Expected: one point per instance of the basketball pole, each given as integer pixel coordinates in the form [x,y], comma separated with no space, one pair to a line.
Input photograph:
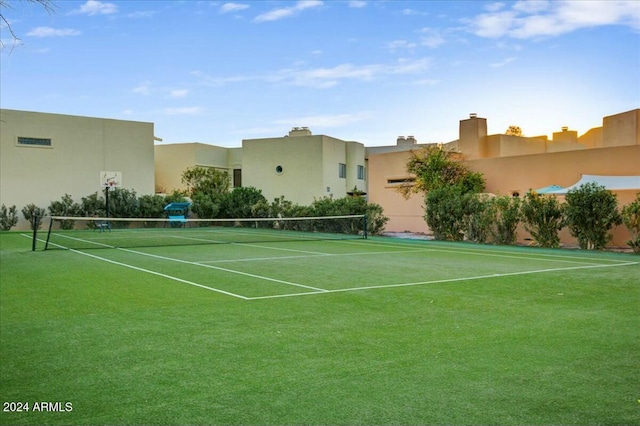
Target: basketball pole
[106,197]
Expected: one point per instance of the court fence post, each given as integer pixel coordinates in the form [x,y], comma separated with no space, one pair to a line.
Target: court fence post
[35,232]
[364,226]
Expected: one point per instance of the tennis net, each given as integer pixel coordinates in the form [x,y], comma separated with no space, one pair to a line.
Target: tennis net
[92,233]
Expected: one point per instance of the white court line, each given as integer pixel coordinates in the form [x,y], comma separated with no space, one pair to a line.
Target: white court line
[448,280]
[321,291]
[147,271]
[261,277]
[189,263]
[513,255]
[302,256]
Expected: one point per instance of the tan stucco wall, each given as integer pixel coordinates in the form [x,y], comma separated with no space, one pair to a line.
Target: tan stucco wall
[621,129]
[309,163]
[173,159]
[504,176]
[523,173]
[81,148]
[301,162]
[404,214]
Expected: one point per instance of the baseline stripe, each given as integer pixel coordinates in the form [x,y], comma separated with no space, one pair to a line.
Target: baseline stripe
[224,270]
[147,271]
[448,280]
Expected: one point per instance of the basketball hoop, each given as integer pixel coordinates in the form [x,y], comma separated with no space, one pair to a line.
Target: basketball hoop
[110,180]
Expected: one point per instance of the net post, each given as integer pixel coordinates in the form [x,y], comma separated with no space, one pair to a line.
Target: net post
[364,226]
[35,233]
[46,244]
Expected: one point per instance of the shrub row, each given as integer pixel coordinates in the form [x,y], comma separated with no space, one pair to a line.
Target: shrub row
[589,212]
[243,202]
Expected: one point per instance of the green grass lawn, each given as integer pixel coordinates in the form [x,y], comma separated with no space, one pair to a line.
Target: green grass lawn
[377,331]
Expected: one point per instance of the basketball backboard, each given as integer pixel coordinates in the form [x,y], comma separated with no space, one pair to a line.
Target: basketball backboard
[110,179]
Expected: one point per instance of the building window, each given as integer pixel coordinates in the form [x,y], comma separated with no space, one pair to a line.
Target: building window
[279,170]
[397,181]
[237,178]
[361,172]
[342,170]
[24,141]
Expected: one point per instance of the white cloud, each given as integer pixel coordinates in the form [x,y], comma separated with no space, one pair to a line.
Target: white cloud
[338,120]
[412,12]
[494,7]
[493,25]
[427,82]
[95,7]
[52,32]
[431,38]
[141,14]
[178,93]
[323,78]
[142,89]
[502,63]
[357,3]
[213,81]
[400,44]
[536,18]
[286,12]
[531,6]
[233,7]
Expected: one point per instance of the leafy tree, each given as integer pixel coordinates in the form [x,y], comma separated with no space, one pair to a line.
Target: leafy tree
[434,167]
[151,206]
[507,217]
[240,201]
[8,217]
[207,188]
[631,219]
[444,213]
[445,181]
[175,197]
[93,205]
[479,214]
[543,217]
[123,203]
[592,211]
[514,131]
[34,215]
[327,206]
[65,207]
[206,180]
[205,206]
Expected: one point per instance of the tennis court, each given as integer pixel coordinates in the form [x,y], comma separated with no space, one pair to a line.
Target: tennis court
[131,328]
[261,263]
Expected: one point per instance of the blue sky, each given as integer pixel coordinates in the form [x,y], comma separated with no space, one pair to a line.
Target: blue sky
[218,72]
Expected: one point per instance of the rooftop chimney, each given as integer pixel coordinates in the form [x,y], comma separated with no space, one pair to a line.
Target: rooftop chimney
[300,131]
[473,115]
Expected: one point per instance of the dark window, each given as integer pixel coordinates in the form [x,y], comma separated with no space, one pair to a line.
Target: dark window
[33,141]
[237,178]
[361,172]
[342,170]
[400,180]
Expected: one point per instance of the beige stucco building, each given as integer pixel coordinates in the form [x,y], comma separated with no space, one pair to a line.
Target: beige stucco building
[173,159]
[514,165]
[300,166]
[45,156]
